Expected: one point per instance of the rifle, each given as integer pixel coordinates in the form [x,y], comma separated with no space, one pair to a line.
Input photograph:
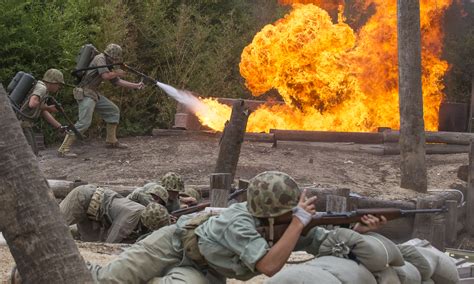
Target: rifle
[70,125]
[329,218]
[184,211]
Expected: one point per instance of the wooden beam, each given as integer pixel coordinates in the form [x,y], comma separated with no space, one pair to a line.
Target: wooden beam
[451,221]
[458,138]
[327,136]
[394,149]
[412,127]
[220,185]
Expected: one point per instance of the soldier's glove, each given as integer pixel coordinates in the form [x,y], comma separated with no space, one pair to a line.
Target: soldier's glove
[303,215]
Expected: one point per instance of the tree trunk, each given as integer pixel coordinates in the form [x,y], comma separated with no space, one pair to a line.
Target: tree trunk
[412,129]
[30,221]
[232,139]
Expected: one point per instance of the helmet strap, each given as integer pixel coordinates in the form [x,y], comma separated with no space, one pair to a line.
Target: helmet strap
[271,222]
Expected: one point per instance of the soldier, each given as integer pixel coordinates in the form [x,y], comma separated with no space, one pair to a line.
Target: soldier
[89,99]
[104,215]
[150,192]
[204,249]
[36,105]
[174,184]
[189,197]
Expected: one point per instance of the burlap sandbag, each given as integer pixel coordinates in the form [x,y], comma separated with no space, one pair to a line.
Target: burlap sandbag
[445,271]
[374,251]
[303,274]
[429,281]
[412,255]
[387,276]
[346,270]
[408,274]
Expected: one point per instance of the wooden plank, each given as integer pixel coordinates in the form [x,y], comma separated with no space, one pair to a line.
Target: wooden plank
[438,235]
[220,185]
[470,194]
[451,221]
[336,203]
[327,136]
[458,138]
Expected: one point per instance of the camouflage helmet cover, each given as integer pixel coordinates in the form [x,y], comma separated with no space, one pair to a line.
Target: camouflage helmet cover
[53,76]
[272,194]
[155,216]
[191,192]
[143,195]
[157,190]
[114,51]
[173,182]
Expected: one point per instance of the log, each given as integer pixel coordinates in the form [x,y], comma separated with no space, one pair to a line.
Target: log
[412,127]
[322,194]
[327,136]
[231,140]
[451,221]
[424,223]
[470,193]
[220,184]
[457,138]
[438,233]
[364,202]
[394,149]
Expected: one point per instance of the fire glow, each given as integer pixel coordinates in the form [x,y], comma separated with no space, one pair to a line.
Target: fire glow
[332,77]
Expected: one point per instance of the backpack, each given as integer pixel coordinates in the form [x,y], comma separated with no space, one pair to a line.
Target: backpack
[83,59]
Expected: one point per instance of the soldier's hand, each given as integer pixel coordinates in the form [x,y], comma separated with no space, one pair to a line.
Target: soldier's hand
[369,223]
[52,108]
[139,86]
[63,129]
[305,209]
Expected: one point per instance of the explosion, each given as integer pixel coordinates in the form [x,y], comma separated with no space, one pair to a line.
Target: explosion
[332,77]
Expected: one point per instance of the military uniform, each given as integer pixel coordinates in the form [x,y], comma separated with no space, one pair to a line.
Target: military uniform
[115,217]
[32,114]
[229,244]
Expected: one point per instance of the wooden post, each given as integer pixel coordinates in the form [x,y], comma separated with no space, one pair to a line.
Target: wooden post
[232,139]
[451,221]
[422,227]
[471,109]
[220,188]
[412,135]
[438,232]
[470,193]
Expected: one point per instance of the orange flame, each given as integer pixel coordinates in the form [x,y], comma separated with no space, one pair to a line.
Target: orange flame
[333,78]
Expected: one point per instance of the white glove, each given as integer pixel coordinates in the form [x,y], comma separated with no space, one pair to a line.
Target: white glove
[303,215]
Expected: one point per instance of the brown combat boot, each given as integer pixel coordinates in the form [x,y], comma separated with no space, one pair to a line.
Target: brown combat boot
[64,149]
[111,139]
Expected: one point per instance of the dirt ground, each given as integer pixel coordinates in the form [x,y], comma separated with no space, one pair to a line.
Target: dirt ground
[194,157]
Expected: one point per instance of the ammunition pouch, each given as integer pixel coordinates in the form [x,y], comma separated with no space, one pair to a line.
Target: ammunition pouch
[78,94]
[190,240]
[93,211]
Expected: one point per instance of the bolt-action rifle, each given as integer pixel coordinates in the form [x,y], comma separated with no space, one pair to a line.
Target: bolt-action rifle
[342,218]
[70,124]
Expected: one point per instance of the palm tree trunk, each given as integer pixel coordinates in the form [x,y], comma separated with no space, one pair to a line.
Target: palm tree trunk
[36,234]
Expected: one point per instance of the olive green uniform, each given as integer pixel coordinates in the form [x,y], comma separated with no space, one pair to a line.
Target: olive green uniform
[117,220]
[32,114]
[89,99]
[229,243]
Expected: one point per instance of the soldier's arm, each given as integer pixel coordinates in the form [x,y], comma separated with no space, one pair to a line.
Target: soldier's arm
[50,119]
[34,101]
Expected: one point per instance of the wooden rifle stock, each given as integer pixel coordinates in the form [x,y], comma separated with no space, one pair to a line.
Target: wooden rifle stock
[180,212]
[329,218]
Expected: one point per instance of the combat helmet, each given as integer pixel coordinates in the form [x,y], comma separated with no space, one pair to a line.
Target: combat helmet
[114,51]
[53,76]
[144,195]
[271,194]
[157,190]
[173,182]
[191,192]
[155,216]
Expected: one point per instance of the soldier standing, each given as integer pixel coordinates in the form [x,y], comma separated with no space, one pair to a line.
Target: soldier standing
[89,99]
[35,105]
[204,249]
[104,215]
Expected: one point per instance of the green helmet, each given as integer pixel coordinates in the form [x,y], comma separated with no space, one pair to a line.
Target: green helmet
[191,192]
[114,51]
[155,216]
[172,182]
[53,76]
[272,194]
[144,195]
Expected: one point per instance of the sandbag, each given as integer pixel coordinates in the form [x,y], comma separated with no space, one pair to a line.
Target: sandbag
[374,251]
[429,281]
[445,271]
[346,270]
[387,276]
[303,274]
[413,256]
[408,274]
